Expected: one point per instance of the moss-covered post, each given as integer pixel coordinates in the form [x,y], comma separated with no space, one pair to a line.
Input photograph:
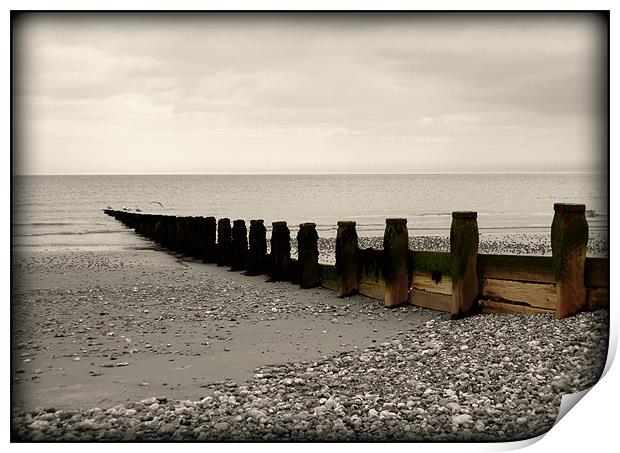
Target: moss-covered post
[464,259]
[280,251]
[257,247]
[308,256]
[209,232]
[347,282]
[569,242]
[395,251]
[224,241]
[239,245]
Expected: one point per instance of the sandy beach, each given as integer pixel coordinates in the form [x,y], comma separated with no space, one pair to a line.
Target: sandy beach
[143,344]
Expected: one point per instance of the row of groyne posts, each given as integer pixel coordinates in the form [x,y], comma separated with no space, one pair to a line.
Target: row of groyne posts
[455,281]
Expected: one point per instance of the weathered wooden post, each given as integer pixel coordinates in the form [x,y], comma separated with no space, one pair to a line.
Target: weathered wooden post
[347,282]
[210,248]
[170,231]
[395,251]
[258,247]
[280,251]
[569,242]
[224,240]
[157,228]
[308,256]
[174,234]
[239,253]
[464,258]
[186,236]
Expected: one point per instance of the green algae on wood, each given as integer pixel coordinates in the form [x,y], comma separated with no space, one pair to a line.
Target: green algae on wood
[347,252]
[309,273]
[395,269]
[569,241]
[463,270]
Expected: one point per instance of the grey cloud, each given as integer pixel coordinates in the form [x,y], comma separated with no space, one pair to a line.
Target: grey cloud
[442,91]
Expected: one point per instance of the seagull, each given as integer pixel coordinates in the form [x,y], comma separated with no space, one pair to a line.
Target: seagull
[157,202]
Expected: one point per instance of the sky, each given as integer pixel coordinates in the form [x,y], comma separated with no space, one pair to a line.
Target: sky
[290,93]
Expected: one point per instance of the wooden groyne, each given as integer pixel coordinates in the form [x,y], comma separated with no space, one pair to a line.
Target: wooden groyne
[459,282]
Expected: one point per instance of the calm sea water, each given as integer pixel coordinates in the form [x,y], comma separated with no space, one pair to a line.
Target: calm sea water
[65,212]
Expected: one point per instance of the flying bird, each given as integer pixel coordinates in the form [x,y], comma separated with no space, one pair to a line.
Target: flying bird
[157,202]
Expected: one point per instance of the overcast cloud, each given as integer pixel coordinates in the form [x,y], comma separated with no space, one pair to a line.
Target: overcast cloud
[302,94]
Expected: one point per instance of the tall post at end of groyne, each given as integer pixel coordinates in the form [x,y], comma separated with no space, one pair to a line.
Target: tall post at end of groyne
[280,251]
[308,256]
[257,247]
[395,272]
[347,280]
[239,245]
[224,242]
[464,240]
[569,243]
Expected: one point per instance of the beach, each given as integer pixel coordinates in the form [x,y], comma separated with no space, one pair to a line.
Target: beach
[142,344]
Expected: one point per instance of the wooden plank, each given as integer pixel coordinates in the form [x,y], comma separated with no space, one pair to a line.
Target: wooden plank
[329,284]
[433,301]
[597,298]
[371,290]
[372,280]
[597,272]
[424,281]
[423,261]
[328,271]
[534,294]
[491,306]
[537,269]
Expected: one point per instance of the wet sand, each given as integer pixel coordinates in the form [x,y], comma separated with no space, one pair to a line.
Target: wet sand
[100,328]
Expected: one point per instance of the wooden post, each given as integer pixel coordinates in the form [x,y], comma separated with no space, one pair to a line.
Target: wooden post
[395,273]
[196,237]
[464,258]
[210,248]
[239,245]
[157,228]
[280,251]
[347,282]
[258,247]
[170,231]
[224,241]
[569,242]
[308,256]
[184,234]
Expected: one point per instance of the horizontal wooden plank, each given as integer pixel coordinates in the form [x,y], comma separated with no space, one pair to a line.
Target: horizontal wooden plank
[422,261]
[597,272]
[328,271]
[539,295]
[597,298]
[373,291]
[491,306]
[433,301]
[425,282]
[537,269]
[329,284]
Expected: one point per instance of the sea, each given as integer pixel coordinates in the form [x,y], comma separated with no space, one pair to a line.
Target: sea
[66,212]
